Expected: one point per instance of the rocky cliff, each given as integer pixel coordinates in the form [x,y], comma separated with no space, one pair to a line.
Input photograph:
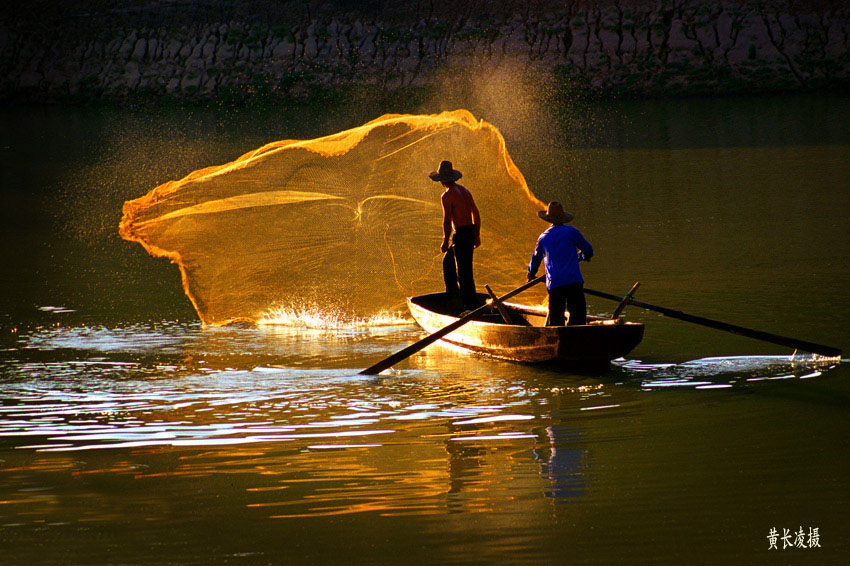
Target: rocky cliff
[635,47]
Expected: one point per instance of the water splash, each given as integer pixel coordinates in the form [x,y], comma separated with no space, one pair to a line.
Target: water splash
[724,372]
[318,317]
[800,357]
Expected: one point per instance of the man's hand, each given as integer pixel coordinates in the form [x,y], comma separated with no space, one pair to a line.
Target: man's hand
[445,245]
[477,242]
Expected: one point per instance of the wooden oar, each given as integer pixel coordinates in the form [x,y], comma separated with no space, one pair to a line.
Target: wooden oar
[431,338]
[625,301]
[820,349]
[499,305]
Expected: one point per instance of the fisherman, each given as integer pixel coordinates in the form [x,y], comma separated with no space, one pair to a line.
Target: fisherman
[561,247]
[460,214]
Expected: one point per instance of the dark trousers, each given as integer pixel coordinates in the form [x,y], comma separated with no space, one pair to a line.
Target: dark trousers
[457,267]
[567,297]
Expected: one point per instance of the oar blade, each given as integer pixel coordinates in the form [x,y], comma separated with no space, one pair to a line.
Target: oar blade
[794,343]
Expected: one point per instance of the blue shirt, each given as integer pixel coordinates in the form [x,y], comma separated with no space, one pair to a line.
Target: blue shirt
[559,246]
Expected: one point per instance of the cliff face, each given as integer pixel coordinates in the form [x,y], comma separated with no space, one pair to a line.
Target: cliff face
[643,48]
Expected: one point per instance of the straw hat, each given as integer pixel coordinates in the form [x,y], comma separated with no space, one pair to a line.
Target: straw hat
[446,173]
[555,214]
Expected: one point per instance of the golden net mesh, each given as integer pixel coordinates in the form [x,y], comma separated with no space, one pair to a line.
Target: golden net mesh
[349,222]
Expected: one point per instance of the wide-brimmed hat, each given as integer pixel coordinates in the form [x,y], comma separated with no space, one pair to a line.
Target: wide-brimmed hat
[555,214]
[446,173]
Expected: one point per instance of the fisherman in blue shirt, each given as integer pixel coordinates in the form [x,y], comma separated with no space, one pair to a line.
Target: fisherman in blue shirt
[560,248]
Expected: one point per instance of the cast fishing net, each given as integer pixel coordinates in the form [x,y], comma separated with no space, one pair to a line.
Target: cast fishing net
[348,222]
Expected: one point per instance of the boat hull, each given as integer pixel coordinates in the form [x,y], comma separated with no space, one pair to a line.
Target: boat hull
[527,340]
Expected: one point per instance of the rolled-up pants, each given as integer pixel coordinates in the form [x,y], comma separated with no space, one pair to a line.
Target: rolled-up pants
[567,297]
[457,266]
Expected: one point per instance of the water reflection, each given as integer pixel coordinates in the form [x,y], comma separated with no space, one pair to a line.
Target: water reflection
[563,460]
[725,372]
[284,408]
[75,388]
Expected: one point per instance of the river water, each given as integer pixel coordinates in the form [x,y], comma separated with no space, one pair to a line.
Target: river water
[131,434]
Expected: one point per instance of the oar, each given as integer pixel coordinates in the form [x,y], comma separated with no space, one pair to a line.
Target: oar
[431,338]
[494,300]
[625,301]
[828,351]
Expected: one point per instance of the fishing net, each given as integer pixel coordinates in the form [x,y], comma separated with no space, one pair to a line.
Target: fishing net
[348,222]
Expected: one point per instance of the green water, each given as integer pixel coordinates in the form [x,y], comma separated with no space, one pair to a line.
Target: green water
[130,434]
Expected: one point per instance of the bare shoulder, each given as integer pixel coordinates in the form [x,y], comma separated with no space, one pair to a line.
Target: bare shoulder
[464,191]
[455,193]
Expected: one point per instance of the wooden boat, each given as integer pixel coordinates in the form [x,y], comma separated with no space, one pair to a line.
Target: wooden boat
[526,338]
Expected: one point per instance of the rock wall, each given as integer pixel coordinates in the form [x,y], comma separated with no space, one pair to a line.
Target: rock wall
[643,48]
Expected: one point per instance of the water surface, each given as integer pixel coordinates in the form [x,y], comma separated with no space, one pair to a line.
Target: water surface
[131,434]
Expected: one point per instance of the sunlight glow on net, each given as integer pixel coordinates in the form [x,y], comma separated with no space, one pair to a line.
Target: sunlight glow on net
[350,222]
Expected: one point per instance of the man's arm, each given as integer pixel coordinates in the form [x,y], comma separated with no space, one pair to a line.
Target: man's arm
[476,221]
[536,258]
[584,246]
[447,223]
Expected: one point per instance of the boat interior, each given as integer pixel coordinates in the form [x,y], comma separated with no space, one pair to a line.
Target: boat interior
[510,313]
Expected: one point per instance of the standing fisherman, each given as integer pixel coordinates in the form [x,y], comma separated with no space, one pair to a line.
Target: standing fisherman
[460,213]
[562,247]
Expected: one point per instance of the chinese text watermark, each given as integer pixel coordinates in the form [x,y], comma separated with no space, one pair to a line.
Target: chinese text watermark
[789,539]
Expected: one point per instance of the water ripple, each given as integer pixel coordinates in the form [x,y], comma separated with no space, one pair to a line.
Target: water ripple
[182,385]
[724,372]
